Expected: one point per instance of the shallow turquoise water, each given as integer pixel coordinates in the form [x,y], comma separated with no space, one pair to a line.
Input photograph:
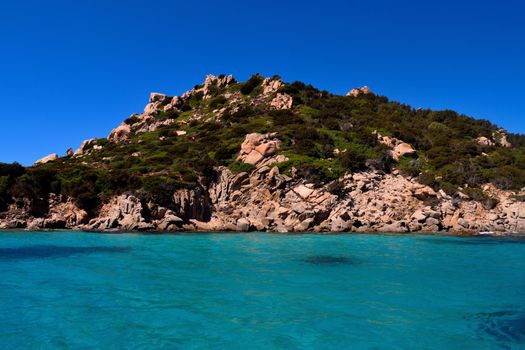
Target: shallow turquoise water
[260,291]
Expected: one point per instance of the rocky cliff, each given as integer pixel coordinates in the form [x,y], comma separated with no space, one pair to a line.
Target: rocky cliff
[265,181]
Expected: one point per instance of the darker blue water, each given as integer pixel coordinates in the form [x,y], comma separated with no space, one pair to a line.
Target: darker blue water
[260,291]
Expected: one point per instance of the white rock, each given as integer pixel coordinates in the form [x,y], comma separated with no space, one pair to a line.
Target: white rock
[47,159]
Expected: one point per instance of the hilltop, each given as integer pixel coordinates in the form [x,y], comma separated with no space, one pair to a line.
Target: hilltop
[269,155]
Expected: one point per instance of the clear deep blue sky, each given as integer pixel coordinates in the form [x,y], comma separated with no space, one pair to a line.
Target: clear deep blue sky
[73,70]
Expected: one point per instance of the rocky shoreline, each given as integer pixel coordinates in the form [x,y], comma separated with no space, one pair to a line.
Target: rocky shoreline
[469,234]
[266,200]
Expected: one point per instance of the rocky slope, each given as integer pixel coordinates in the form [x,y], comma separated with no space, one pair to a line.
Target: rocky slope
[264,184]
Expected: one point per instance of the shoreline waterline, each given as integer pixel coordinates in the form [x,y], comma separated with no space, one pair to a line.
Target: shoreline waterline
[517,235]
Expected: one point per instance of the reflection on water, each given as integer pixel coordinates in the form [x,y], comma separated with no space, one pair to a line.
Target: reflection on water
[330,260]
[504,326]
[53,251]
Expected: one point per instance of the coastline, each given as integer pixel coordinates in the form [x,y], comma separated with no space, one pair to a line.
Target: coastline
[240,202]
[462,234]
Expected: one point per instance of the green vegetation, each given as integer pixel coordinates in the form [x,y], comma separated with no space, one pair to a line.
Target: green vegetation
[324,136]
[252,83]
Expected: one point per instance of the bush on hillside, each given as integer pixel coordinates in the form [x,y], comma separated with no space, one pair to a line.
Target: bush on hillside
[251,84]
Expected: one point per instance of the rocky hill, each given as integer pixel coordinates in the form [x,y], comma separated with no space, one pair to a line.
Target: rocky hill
[272,156]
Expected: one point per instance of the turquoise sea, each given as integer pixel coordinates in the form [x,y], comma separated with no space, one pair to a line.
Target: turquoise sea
[64,290]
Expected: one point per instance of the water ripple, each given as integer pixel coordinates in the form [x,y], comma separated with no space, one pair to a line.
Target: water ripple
[54,251]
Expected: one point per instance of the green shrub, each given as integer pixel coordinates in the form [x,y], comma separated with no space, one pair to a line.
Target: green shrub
[428,179]
[251,84]
[159,190]
[217,101]
[169,114]
[238,167]
[132,120]
[409,166]
[480,196]
[285,117]
[337,188]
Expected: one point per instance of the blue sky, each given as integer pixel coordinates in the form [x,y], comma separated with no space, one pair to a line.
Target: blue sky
[73,70]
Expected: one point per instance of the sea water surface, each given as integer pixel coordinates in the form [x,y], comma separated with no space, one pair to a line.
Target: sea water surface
[260,291]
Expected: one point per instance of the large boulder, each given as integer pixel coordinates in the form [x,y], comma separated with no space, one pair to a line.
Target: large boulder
[253,157]
[86,147]
[175,103]
[270,86]
[403,150]
[211,81]
[251,141]
[47,159]
[123,213]
[484,141]
[256,147]
[282,101]
[120,134]
[170,222]
[501,138]
[208,88]
[64,210]
[397,147]
[358,91]
[267,149]
[154,103]
[243,225]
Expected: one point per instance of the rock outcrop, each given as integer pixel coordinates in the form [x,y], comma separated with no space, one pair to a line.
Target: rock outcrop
[86,147]
[256,147]
[397,147]
[358,91]
[122,212]
[47,159]
[121,133]
[485,141]
[211,84]
[218,82]
[154,105]
[282,101]
[501,138]
[271,86]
